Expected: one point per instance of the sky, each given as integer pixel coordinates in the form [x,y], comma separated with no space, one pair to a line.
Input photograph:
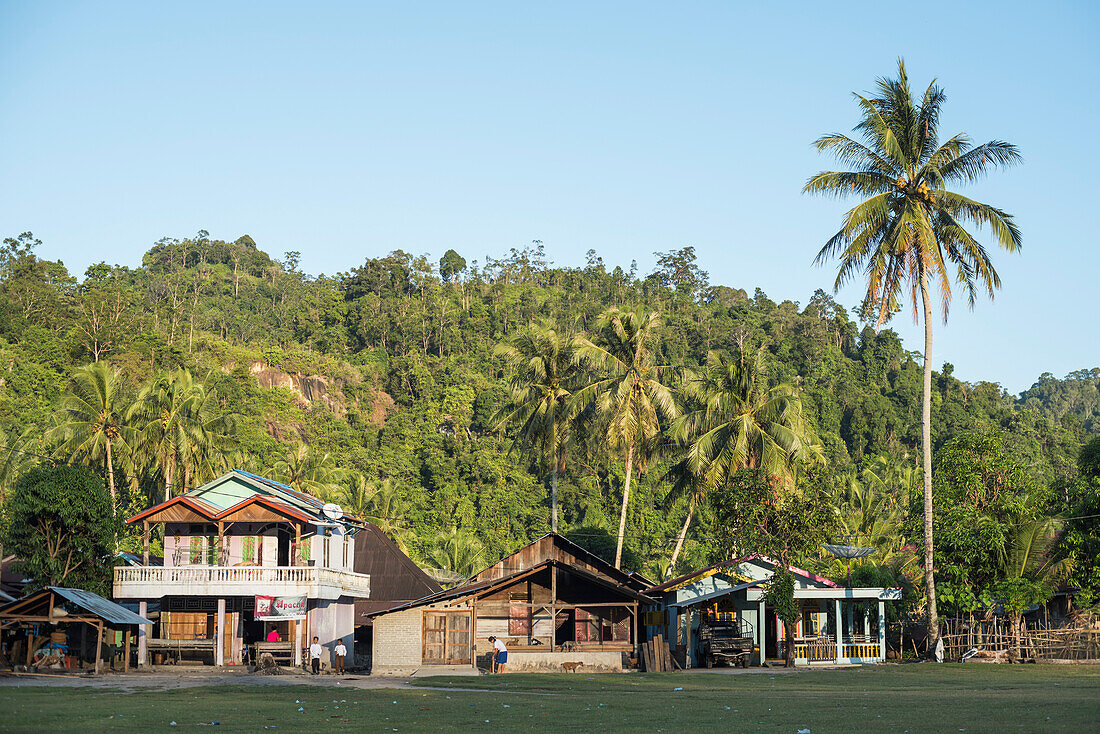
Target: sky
[349,130]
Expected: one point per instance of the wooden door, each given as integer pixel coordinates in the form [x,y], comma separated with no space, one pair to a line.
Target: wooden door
[434,638]
[458,639]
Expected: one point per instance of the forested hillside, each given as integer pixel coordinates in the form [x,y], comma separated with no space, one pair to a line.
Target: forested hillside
[379,385]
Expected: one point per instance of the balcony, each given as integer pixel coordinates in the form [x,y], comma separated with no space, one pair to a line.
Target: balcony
[151,582]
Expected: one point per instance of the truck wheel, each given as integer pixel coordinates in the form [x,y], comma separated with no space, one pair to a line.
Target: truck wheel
[708,660]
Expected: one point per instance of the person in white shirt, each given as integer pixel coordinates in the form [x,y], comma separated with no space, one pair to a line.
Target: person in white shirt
[500,654]
[339,651]
[315,653]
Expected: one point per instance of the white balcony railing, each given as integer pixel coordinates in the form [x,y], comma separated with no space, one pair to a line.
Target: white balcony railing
[155,581]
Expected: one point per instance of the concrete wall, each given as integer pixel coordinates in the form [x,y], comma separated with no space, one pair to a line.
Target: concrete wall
[592,661]
[397,638]
[331,621]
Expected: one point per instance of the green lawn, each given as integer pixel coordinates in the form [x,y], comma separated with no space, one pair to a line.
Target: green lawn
[912,698]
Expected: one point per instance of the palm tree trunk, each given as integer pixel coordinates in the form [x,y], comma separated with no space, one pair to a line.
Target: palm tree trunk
[926,448]
[554,498]
[626,501]
[111,477]
[680,538]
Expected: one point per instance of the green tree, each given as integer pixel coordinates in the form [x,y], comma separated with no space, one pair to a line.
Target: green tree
[181,431]
[543,375]
[735,421]
[911,230]
[90,424]
[455,550]
[380,504]
[754,512]
[309,471]
[62,528]
[628,394]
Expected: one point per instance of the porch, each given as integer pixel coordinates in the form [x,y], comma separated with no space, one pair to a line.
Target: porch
[152,582]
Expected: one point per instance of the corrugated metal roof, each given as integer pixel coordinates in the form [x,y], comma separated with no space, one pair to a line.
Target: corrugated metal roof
[715,594]
[100,607]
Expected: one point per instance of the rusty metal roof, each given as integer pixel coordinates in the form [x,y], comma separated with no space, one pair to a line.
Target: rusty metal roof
[100,607]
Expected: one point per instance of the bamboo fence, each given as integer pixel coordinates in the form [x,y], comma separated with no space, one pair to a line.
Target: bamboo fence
[1077,639]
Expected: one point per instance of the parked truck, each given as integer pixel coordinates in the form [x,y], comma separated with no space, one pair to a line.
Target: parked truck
[726,639]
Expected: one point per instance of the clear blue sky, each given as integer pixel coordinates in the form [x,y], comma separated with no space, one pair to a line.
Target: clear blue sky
[348,131]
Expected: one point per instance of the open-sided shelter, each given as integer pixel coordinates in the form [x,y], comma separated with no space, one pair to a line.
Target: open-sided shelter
[58,619]
[839,624]
[550,602]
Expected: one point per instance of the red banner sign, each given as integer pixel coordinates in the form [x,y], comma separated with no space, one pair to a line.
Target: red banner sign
[274,608]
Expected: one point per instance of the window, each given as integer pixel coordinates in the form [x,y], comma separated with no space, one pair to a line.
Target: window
[325,551]
[195,548]
[519,620]
[347,551]
[212,550]
[248,549]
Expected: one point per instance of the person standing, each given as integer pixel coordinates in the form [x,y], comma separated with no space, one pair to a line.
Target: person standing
[339,651]
[500,654]
[315,653]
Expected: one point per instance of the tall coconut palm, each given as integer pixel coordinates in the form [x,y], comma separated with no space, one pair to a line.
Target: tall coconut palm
[735,421]
[455,550]
[311,472]
[543,376]
[379,504]
[90,424]
[628,394]
[909,232]
[180,430]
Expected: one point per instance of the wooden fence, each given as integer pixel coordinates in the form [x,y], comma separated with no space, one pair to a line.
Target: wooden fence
[1077,639]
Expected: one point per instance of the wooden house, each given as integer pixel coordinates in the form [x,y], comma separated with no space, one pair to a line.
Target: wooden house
[245,555]
[550,602]
[839,624]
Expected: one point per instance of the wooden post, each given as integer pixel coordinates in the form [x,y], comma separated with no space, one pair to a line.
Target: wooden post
[297,545]
[553,606]
[99,649]
[126,658]
[143,634]
[839,632]
[145,543]
[221,543]
[30,645]
[473,633]
[687,655]
[219,635]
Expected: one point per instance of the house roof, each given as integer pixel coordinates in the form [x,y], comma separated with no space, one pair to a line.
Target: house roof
[476,588]
[704,598]
[236,490]
[543,548]
[394,576]
[95,604]
[687,578]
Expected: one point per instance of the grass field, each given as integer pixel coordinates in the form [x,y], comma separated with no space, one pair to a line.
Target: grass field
[912,698]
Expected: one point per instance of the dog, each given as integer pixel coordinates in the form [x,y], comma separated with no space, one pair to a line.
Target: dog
[571,667]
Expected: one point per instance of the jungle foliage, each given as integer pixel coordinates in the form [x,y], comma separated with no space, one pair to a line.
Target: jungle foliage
[379,387]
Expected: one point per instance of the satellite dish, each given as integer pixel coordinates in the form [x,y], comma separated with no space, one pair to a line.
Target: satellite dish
[332,511]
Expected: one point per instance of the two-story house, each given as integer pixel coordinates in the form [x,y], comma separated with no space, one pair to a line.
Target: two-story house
[246,559]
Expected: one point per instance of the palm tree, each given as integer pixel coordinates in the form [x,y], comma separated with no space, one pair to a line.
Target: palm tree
[90,422]
[180,430]
[456,551]
[309,472]
[628,395]
[735,421]
[378,504]
[910,230]
[540,360]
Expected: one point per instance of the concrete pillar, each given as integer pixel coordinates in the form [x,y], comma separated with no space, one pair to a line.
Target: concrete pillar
[143,633]
[760,637]
[839,633]
[219,636]
[298,643]
[881,630]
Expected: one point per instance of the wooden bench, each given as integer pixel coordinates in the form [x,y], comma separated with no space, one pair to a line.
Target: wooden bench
[278,650]
[175,649]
